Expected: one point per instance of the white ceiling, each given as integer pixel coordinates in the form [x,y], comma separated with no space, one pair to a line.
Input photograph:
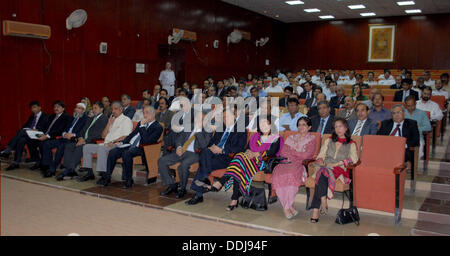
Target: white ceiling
[337,8]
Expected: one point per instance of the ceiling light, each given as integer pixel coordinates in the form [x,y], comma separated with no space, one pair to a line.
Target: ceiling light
[294,2]
[327,17]
[365,14]
[277,16]
[406,3]
[413,11]
[357,6]
[312,10]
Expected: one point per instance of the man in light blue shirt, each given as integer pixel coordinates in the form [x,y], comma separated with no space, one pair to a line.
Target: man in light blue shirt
[288,121]
[420,116]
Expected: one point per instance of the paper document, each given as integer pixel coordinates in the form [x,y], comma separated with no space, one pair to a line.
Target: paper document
[124,145]
[34,134]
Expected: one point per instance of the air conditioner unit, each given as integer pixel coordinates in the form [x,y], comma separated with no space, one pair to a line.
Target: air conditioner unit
[22,29]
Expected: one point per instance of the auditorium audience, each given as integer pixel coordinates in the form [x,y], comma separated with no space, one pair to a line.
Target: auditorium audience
[336,154]
[426,104]
[386,78]
[56,125]
[128,110]
[349,109]
[73,150]
[378,112]
[36,121]
[401,95]
[288,121]
[362,125]
[48,164]
[423,123]
[287,178]
[117,129]
[266,143]
[323,123]
[224,143]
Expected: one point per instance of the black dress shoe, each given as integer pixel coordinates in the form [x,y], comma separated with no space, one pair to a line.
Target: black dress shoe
[5,155]
[195,200]
[48,174]
[86,177]
[273,199]
[12,167]
[103,182]
[60,176]
[181,193]
[35,167]
[171,189]
[127,184]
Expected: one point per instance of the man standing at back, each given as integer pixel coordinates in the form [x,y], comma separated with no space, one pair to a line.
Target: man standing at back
[167,79]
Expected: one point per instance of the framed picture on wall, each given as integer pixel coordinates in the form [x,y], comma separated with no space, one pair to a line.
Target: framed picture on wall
[381,43]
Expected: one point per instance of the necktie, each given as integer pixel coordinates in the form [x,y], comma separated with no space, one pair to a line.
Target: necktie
[188,142]
[33,123]
[92,123]
[397,129]
[138,138]
[358,128]
[224,139]
[322,121]
[51,124]
[307,95]
[347,115]
[73,124]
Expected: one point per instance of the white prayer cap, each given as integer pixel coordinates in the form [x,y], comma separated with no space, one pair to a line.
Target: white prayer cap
[81,104]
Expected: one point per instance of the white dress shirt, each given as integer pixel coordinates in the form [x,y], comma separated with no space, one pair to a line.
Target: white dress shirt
[276,88]
[429,82]
[286,119]
[122,126]
[432,107]
[370,83]
[440,92]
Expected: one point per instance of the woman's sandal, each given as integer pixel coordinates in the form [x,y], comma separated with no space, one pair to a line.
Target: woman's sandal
[314,220]
[231,207]
[324,212]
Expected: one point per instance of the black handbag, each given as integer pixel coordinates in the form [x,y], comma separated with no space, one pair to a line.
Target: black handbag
[272,162]
[256,199]
[349,215]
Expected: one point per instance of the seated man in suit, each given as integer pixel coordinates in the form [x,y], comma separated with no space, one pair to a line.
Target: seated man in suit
[57,124]
[312,102]
[164,115]
[323,123]
[288,90]
[307,91]
[398,83]
[313,111]
[348,112]
[399,126]
[288,121]
[117,129]
[363,125]
[128,110]
[420,116]
[337,101]
[147,131]
[401,95]
[73,151]
[48,165]
[217,155]
[188,146]
[36,121]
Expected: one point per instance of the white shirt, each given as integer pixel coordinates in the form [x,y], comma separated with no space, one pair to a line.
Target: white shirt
[328,93]
[387,82]
[286,119]
[167,77]
[432,107]
[137,134]
[440,92]
[122,126]
[350,81]
[276,88]
[299,90]
[429,82]
[360,130]
[138,115]
[315,79]
[370,83]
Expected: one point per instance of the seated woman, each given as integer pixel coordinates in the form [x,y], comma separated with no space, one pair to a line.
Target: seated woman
[264,143]
[286,178]
[357,93]
[335,155]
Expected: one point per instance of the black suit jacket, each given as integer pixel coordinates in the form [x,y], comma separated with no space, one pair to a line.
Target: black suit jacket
[335,102]
[60,125]
[409,131]
[148,136]
[303,95]
[395,86]
[283,102]
[235,143]
[314,111]
[328,126]
[78,126]
[129,112]
[95,132]
[399,95]
[41,124]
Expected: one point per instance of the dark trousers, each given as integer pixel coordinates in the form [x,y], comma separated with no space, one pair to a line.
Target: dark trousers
[208,162]
[72,156]
[236,192]
[18,144]
[47,154]
[127,155]
[168,141]
[33,146]
[185,160]
[320,190]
